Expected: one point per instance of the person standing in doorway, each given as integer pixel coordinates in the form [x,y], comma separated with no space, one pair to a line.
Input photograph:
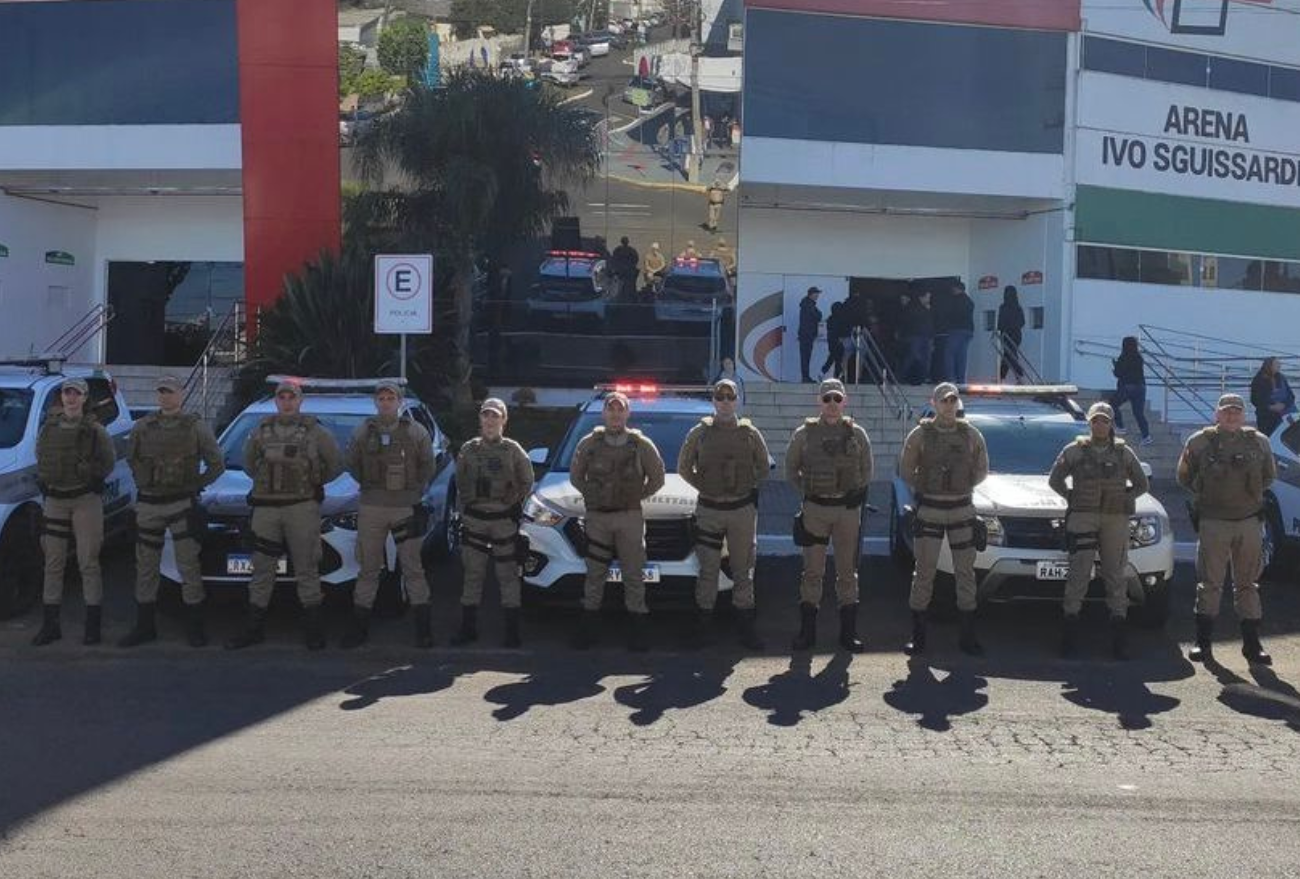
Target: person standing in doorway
[918,338]
[1131,388]
[624,262]
[837,337]
[1011,327]
[961,329]
[941,321]
[810,318]
[1271,395]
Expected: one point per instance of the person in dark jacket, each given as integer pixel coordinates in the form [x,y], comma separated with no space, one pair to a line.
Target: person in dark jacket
[1011,326]
[1271,395]
[960,320]
[918,338]
[1131,387]
[623,263]
[837,333]
[941,320]
[810,318]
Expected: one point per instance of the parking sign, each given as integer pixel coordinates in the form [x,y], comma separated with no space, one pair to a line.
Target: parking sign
[403,293]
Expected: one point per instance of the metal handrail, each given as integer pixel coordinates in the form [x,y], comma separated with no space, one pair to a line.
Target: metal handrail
[892,395]
[231,329]
[86,328]
[1004,347]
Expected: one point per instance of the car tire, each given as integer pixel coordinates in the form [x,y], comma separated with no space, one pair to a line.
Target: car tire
[899,551]
[21,564]
[1154,610]
[444,541]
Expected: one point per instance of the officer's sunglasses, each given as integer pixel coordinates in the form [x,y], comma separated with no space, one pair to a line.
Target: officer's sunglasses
[832,398]
[724,397]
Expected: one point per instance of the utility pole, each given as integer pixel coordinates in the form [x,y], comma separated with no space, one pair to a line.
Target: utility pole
[697,122]
[528,30]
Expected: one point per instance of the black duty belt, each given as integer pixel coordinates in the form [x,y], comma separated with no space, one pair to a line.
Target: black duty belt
[711,504]
[279,502]
[147,498]
[612,509]
[485,516]
[67,494]
[845,500]
[935,503]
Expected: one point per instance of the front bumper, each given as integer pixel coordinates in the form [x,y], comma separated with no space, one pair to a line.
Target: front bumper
[232,536]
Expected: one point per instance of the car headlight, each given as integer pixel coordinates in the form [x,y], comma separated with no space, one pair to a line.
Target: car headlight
[346,521]
[537,511]
[1144,531]
[994,526]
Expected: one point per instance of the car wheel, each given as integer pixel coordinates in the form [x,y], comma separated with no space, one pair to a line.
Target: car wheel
[21,565]
[898,549]
[444,541]
[1154,610]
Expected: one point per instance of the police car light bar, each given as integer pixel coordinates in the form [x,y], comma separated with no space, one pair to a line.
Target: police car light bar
[574,254]
[49,361]
[334,384]
[648,389]
[1019,390]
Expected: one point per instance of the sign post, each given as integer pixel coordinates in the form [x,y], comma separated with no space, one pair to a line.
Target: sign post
[403,296]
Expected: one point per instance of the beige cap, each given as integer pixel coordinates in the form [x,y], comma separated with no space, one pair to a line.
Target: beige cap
[1232,401]
[78,384]
[389,384]
[292,387]
[617,397]
[1102,409]
[726,383]
[831,384]
[494,404]
[170,383]
[944,390]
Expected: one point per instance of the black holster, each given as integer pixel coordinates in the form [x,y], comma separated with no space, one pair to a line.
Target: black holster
[801,535]
[980,534]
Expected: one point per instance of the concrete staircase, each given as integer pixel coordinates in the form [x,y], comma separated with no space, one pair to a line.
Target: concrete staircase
[139,385]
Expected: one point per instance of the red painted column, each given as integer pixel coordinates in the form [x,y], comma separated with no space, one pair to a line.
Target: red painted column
[288,113]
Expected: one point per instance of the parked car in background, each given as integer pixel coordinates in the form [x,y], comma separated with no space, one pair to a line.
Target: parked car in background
[693,289]
[572,284]
[645,92]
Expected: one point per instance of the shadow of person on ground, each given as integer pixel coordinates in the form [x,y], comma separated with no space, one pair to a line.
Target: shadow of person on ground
[683,684]
[544,687]
[788,695]
[936,701]
[405,680]
[1116,691]
[1268,697]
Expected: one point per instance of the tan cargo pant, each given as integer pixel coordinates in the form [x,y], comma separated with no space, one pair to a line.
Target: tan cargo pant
[297,528]
[374,523]
[152,522]
[484,541]
[934,524]
[64,517]
[1107,534]
[618,535]
[842,528]
[739,527]
[1223,544]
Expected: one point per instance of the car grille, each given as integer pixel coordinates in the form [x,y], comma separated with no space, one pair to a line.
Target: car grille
[1024,532]
[233,534]
[666,540]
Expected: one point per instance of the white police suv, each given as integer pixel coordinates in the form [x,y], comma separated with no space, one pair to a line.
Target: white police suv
[1025,428]
[29,389]
[341,405]
[1282,501]
[553,514]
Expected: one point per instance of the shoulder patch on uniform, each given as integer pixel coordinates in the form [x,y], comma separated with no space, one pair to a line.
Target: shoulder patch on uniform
[810,422]
[745,422]
[707,421]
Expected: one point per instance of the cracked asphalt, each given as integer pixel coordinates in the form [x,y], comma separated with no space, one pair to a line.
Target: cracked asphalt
[393,762]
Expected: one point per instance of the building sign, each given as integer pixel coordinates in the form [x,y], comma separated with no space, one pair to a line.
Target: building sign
[60,258]
[1262,30]
[989,282]
[1180,140]
[1029,279]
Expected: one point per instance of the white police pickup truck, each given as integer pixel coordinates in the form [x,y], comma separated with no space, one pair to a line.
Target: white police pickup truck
[1025,428]
[29,389]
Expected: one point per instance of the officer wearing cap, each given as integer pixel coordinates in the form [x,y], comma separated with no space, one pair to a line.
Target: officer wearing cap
[290,458]
[943,459]
[494,477]
[173,457]
[1105,479]
[74,455]
[390,455]
[829,463]
[615,468]
[1227,467]
[725,458]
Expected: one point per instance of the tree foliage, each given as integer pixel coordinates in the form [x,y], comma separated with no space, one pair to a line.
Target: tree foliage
[507,16]
[404,48]
[352,61]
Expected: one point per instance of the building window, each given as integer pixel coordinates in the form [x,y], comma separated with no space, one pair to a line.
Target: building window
[1284,84]
[1167,65]
[166,311]
[1231,273]
[1175,269]
[1108,263]
[1282,277]
[1231,75]
[1163,267]
[1190,68]
[1113,56]
[1036,317]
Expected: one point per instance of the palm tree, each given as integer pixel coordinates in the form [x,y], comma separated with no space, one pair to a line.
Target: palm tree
[485,159]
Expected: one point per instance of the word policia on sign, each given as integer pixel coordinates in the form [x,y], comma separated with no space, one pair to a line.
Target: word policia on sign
[1202,161]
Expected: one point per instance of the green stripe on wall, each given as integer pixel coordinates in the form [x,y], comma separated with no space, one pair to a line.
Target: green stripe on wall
[1169,222]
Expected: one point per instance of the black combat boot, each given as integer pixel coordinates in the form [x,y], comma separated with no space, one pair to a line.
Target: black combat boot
[747,624]
[254,632]
[1204,649]
[967,640]
[1250,646]
[638,636]
[1070,635]
[849,630]
[807,636]
[94,624]
[423,626]
[588,628]
[916,646]
[468,631]
[359,633]
[313,628]
[145,629]
[195,632]
[50,630]
[511,639]
[1119,638]
[698,634]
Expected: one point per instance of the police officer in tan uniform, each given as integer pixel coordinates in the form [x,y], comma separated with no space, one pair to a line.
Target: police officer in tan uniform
[495,477]
[943,459]
[1227,467]
[724,459]
[1106,479]
[74,455]
[654,265]
[291,458]
[390,455]
[173,457]
[829,463]
[615,468]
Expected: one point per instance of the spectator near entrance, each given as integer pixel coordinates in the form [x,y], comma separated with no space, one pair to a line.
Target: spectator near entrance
[960,320]
[1271,395]
[810,318]
[623,262]
[1011,326]
[918,338]
[1131,387]
[838,333]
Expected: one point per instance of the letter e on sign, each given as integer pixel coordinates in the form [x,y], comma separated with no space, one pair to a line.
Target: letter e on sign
[404,293]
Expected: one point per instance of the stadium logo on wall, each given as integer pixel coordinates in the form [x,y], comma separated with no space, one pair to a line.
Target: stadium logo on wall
[1207,17]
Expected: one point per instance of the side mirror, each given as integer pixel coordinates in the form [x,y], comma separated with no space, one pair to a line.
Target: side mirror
[538,456]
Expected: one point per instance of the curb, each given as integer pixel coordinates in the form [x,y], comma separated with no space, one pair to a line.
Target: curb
[653,184]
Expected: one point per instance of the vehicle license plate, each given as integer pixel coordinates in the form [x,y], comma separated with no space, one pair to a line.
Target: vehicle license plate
[243,564]
[649,574]
[1053,570]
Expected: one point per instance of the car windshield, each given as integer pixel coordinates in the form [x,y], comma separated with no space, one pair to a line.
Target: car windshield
[339,425]
[560,267]
[15,404]
[1026,445]
[667,430]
